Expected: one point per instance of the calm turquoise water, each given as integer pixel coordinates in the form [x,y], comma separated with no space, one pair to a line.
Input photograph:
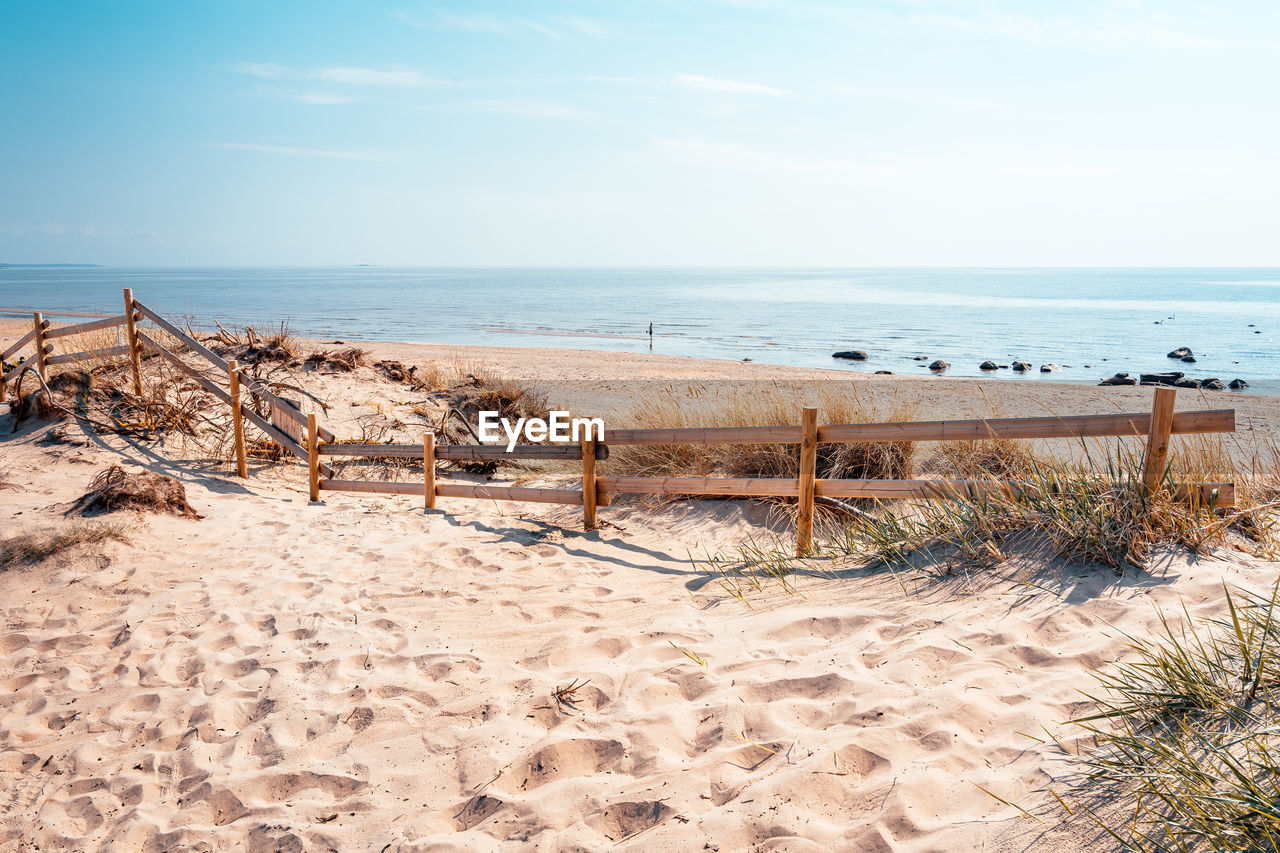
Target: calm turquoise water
[1109,319]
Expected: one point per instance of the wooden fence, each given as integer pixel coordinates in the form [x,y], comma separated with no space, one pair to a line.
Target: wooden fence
[596,491]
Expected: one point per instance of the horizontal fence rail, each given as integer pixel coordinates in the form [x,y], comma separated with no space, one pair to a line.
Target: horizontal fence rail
[461,452]
[1071,426]
[1223,494]
[108,352]
[81,328]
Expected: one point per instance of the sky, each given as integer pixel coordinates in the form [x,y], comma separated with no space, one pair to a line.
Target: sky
[624,133]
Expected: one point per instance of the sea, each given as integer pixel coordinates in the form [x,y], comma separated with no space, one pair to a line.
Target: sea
[1091,323]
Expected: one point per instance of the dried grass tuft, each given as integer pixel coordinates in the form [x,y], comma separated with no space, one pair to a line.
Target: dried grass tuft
[38,546]
[342,361]
[117,489]
[766,406]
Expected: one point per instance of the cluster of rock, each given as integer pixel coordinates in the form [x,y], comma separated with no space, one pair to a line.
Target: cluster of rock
[1175,379]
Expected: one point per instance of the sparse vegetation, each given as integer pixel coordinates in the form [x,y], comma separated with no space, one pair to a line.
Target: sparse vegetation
[341,361]
[1095,512]
[1185,749]
[38,546]
[765,406]
[116,489]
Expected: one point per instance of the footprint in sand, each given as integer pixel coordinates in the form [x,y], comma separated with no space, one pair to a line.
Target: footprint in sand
[623,820]
[566,759]
[476,810]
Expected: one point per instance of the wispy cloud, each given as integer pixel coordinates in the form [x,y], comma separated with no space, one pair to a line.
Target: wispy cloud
[322,97]
[370,77]
[529,107]
[919,97]
[507,25]
[342,75]
[714,84]
[292,151]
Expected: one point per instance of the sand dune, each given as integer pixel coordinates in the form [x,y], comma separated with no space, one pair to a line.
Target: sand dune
[363,674]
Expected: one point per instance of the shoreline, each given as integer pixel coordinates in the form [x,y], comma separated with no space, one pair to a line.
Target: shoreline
[647,364]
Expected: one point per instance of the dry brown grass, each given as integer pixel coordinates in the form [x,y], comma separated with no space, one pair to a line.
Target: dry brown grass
[38,546]
[340,361]
[117,489]
[768,405]
[993,458]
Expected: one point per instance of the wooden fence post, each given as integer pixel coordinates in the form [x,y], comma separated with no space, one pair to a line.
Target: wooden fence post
[135,357]
[429,469]
[1158,438]
[237,418]
[808,476]
[41,364]
[313,457]
[589,483]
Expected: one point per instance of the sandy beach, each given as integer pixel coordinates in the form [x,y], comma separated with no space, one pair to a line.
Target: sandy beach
[366,675]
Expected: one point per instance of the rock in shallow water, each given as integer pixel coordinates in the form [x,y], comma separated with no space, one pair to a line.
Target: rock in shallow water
[939,365]
[1237,384]
[988,365]
[1048,368]
[1119,379]
[1180,352]
[1213,385]
[1168,378]
[850,355]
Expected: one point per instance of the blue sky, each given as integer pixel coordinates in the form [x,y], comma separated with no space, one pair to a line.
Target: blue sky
[744,132]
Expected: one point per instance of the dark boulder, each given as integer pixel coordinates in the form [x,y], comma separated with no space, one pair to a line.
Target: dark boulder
[884,373]
[850,355]
[1162,378]
[1187,382]
[1189,359]
[1021,366]
[1180,352]
[988,365]
[1237,384]
[1213,385]
[1048,368]
[939,365]
[1119,379]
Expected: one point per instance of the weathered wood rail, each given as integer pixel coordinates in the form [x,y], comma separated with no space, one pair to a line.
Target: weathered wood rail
[1157,426]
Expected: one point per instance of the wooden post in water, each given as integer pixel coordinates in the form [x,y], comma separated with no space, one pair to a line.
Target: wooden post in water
[313,457]
[41,364]
[135,351]
[237,418]
[429,469]
[1158,438]
[589,483]
[808,477]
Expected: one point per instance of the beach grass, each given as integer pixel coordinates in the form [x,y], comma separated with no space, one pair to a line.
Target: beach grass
[766,405]
[38,546]
[1091,510]
[1184,737]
